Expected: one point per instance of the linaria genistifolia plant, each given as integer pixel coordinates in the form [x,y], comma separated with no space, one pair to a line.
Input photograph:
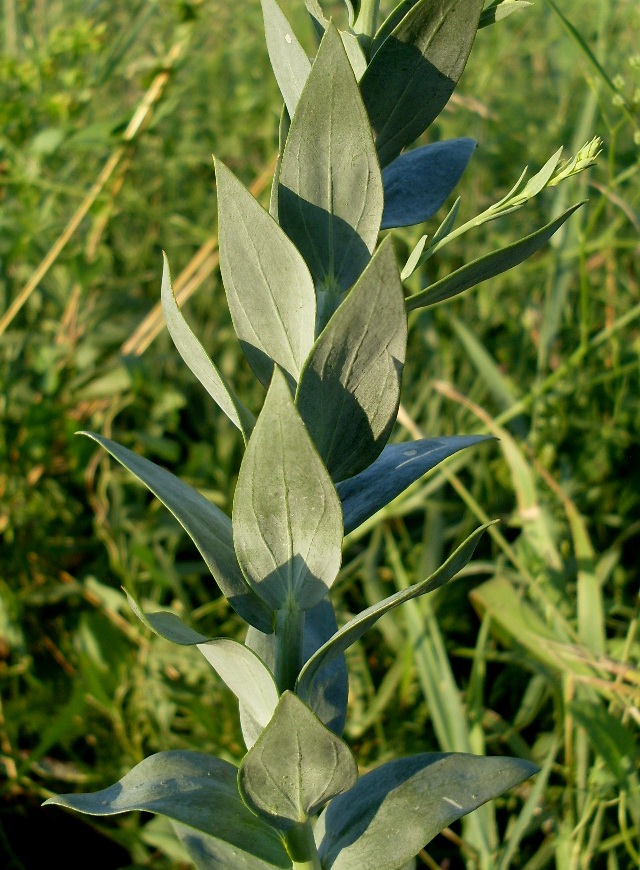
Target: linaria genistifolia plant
[320,312]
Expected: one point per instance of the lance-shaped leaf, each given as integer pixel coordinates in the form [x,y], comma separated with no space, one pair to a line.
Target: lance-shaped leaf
[360,624]
[397,467]
[207,526]
[296,766]
[500,9]
[328,698]
[191,788]
[289,60]
[198,360]
[350,386]
[397,809]
[287,519]
[209,853]
[330,193]
[487,266]
[245,674]
[414,72]
[167,625]
[269,289]
[418,182]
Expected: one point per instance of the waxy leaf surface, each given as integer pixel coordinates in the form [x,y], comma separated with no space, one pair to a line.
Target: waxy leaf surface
[330,187]
[397,467]
[207,526]
[488,266]
[350,387]
[361,623]
[269,289]
[198,360]
[210,853]
[167,625]
[397,809]
[191,788]
[289,60]
[419,181]
[287,519]
[414,72]
[295,767]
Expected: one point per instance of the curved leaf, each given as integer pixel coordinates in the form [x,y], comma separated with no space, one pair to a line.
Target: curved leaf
[414,72]
[289,60]
[397,467]
[419,181]
[361,623]
[287,519]
[349,389]
[167,625]
[209,853]
[330,188]
[207,526]
[488,266]
[195,356]
[191,788]
[269,289]
[296,766]
[394,811]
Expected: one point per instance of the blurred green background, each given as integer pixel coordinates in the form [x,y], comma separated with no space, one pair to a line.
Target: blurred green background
[109,113]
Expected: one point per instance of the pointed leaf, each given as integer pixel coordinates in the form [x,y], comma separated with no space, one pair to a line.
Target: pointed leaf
[192,788]
[245,674]
[397,467]
[167,625]
[418,182]
[414,72]
[488,266]
[287,519]
[198,360]
[360,624]
[395,810]
[328,698]
[501,9]
[269,289]
[207,526]
[289,60]
[209,853]
[296,766]
[350,386]
[330,195]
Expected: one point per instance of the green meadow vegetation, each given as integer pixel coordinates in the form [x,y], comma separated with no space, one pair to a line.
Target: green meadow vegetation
[110,113]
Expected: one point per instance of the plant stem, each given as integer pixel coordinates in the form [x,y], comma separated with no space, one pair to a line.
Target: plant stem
[366,23]
[301,847]
[288,634]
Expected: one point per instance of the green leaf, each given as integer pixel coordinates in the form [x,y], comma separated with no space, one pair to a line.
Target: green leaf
[167,625]
[191,788]
[610,739]
[245,674]
[270,292]
[391,22]
[488,266]
[418,182]
[287,520]
[395,810]
[414,72]
[328,698]
[330,194]
[208,853]
[288,58]
[296,766]
[207,526]
[350,386]
[397,467]
[501,9]
[360,624]
[198,360]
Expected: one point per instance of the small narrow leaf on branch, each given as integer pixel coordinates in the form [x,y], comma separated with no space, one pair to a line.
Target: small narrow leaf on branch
[349,390]
[269,289]
[289,60]
[414,71]
[500,9]
[487,266]
[167,625]
[296,766]
[193,789]
[394,811]
[207,526]
[330,187]
[361,623]
[198,360]
[287,519]
[418,182]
